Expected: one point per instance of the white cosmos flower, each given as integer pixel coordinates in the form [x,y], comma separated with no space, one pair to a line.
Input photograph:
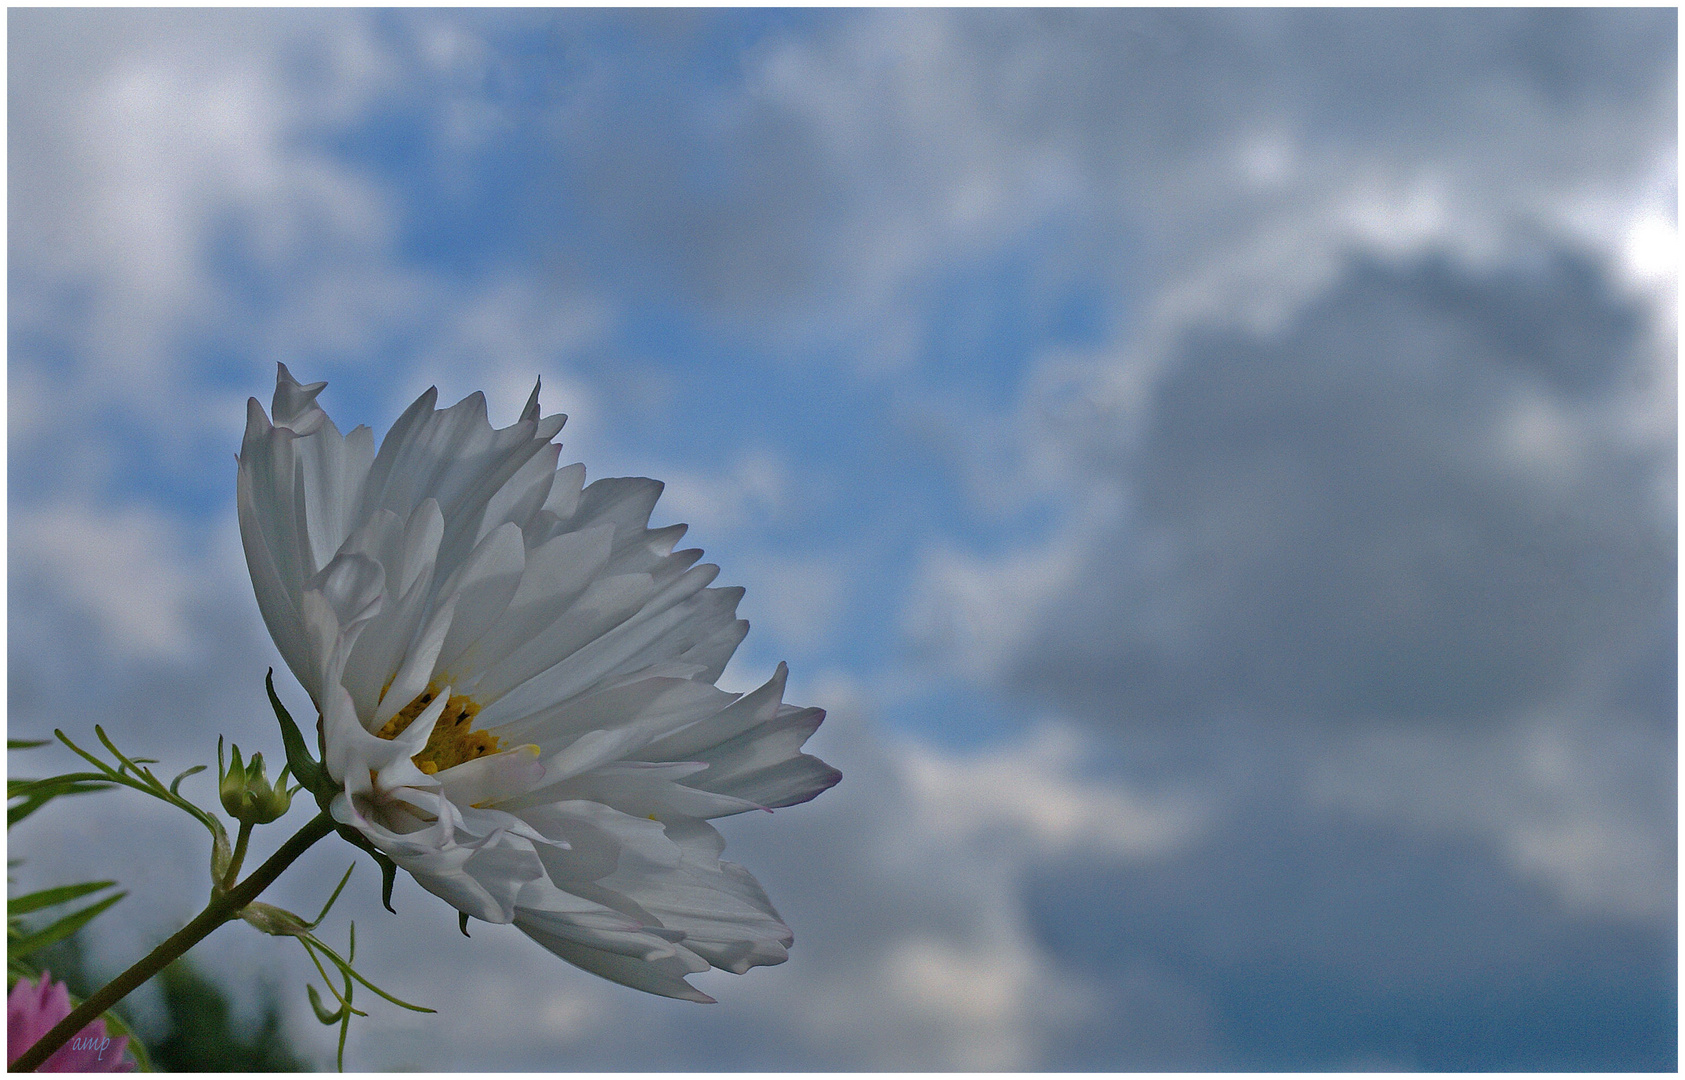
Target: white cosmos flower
[514,677]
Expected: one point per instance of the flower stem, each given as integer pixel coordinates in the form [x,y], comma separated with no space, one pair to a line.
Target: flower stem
[239,855]
[223,906]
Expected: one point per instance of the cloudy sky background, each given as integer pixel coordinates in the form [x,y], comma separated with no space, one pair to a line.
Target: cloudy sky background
[1217,469]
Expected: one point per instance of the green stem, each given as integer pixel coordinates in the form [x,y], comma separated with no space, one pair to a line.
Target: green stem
[223,906]
[239,855]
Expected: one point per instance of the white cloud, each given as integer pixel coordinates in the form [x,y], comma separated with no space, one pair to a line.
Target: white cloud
[503,334]
[914,949]
[126,571]
[757,487]
[189,144]
[978,611]
[1033,795]
[797,601]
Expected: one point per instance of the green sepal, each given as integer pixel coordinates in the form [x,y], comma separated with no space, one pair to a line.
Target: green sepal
[388,868]
[314,944]
[306,769]
[462,922]
[388,876]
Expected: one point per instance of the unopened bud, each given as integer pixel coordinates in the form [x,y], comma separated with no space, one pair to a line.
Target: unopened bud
[247,794]
[274,920]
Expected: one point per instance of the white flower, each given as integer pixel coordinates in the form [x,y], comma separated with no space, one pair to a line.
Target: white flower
[514,678]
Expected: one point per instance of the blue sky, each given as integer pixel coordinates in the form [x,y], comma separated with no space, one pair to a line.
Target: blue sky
[1217,469]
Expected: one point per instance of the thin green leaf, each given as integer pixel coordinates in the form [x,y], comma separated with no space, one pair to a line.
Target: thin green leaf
[307,942]
[327,1018]
[337,888]
[345,1024]
[42,797]
[105,770]
[175,785]
[15,814]
[349,970]
[142,780]
[99,732]
[62,929]
[25,744]
[145,781]
[35,901]
[19,787]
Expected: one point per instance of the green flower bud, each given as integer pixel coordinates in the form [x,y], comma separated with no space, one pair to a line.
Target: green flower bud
[246,792]
[273,920]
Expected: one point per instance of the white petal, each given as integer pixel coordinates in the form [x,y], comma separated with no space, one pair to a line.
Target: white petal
[753,749]
[493,778]
[652,706]
[336,605]
[720,908]
[759,706]
[565,491]
[590,841]
[295,406]
[456,457]
[624,501]
[519,501]
[481,878]
[557,572]
[640,789]
[275,602]
[662,625]
[272,533]
[420,661]
[640,960]
[483,586]
[604,605]
[379,651]
[766,765]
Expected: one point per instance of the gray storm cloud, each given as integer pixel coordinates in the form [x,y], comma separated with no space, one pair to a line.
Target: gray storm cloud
[1400,505]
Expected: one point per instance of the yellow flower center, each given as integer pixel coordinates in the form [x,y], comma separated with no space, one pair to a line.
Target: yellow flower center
[453,740]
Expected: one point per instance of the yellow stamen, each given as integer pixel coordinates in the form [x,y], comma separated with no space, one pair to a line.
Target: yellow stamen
[453,740]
